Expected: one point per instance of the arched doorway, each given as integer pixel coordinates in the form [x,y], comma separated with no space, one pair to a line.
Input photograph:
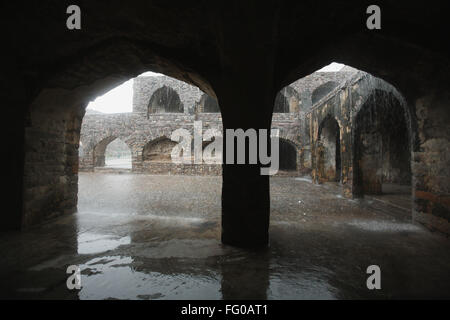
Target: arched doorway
[118,155]
[111,152]
[329,150]
[98,152]
[288,156]
[158,150]
[382,147]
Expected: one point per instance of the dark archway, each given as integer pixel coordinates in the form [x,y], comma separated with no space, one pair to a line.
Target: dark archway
[382,146]
[165,100]
[288,156]
[158,150]
[322,91]
[329,150]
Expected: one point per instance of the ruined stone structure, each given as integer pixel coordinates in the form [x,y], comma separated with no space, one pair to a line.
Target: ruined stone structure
[346,126]
[163,104]
[241,54]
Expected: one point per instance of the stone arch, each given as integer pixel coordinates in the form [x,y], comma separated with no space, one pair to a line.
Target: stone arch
[288,138]
[383,144]
[362,96]
[288,135]
[329,150]
[98,151]
[158,150]
[165,100]
[322,90]
[157,136]
[118,154]
[154,134]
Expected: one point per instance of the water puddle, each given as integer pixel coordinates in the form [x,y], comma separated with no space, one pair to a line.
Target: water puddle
[115,277]
[291,286]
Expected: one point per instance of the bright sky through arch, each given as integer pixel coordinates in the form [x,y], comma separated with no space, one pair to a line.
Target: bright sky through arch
[332,67]
[120,99]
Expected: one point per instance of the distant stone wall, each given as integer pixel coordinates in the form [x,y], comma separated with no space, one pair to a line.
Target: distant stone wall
[170,168]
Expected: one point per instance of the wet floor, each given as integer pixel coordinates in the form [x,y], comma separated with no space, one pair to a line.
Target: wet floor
[158,237]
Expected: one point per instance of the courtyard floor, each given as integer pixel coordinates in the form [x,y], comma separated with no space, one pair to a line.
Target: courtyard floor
[158,237]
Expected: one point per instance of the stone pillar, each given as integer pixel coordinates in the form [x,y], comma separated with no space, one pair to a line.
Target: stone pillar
[51,159]
[15,99]
[245,191]
[347,160]
[299,160]
[12,163]
[136,160]
[246,94]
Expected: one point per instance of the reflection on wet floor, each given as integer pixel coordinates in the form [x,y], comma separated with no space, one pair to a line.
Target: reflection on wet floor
[158,237]
[89,243]
[117,276]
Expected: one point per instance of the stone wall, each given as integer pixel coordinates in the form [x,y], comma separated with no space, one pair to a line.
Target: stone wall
[51,161]
[431,162]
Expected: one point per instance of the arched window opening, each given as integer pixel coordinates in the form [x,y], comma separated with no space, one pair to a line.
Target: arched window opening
[165,100]
[118,155]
